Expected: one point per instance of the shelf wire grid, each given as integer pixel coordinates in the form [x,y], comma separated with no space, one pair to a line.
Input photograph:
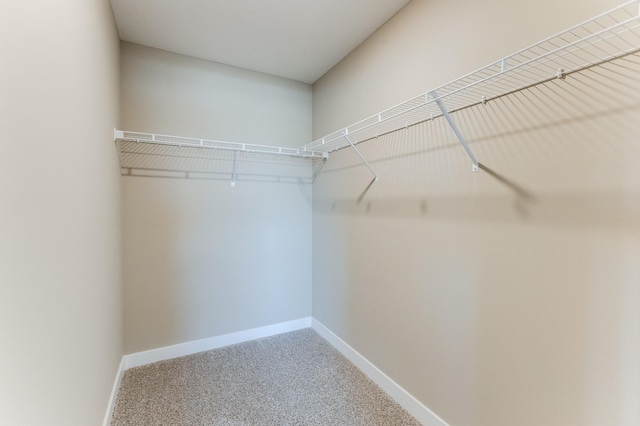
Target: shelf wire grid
[184,161]
[147,140]
[608,36]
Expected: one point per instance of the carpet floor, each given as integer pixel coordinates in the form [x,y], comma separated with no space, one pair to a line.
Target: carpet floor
[295,378]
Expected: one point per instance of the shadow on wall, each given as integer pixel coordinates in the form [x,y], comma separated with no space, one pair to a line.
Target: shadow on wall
[621,210]
[561,153]
[507,296]
[180,162]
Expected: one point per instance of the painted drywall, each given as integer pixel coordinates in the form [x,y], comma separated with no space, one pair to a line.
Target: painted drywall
[178,95]
[503,297]
[431,43]
[60,278]
[202,258]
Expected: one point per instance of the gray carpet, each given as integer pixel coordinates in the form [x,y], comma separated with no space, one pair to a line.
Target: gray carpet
[294,378]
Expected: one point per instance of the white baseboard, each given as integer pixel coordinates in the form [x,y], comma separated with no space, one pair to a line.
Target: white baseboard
[182,349]
[418,410]
[114,394]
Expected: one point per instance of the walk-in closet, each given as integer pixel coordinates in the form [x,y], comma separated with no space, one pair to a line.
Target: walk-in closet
[374,212]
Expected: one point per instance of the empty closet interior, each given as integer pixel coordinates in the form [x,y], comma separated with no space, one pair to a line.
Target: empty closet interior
[474,236]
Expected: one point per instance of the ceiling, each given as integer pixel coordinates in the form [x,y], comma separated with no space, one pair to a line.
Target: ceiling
[296,39]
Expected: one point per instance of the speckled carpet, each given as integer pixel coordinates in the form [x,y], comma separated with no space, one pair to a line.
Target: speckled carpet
[294,378]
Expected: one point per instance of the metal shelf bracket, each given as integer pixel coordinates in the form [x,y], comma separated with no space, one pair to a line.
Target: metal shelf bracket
[345,135]
[454,127]
[235,168]
[315,175]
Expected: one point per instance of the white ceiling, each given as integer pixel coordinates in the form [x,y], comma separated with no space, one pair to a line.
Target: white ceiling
[295,39]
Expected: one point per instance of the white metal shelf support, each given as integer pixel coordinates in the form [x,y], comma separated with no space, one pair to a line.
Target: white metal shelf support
[366,163]
[315,175]
[235,169]
[454,127]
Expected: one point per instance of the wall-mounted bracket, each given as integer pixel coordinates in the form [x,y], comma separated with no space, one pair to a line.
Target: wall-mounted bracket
[504,66]
[345,135]
[445,114]
[235,169]
[315,175]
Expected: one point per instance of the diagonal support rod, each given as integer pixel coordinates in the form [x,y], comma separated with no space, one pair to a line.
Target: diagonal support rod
[315,175]
[235,167]
[455,129]
[375,176]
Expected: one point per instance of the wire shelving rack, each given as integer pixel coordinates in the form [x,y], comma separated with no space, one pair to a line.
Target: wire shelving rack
[603,38]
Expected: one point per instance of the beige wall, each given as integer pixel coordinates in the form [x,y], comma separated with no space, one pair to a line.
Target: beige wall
[431,42]
[163,92]
[503,297]
[60,290]
[201,258]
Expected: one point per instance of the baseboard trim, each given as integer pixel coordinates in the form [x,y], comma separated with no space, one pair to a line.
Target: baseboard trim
[114,394]
[182,349]
[418,410]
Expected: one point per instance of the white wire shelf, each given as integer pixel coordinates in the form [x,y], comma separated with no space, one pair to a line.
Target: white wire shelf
[180,141]
[606,37]
[153,155]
